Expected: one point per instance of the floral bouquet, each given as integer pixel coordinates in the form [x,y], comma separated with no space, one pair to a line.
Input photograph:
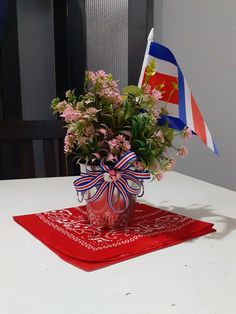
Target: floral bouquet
[120,140]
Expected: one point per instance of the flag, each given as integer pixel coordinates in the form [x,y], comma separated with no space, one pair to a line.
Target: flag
[182,106]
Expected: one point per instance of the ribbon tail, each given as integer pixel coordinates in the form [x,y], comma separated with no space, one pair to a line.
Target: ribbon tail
[118,208]
[130,189]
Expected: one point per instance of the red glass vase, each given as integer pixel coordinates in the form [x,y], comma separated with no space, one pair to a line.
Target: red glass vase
[101,215]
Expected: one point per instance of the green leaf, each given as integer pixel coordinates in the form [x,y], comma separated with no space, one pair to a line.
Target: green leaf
[164,111]
[151,68]
[133,90]
[138,143]
[175,85]
[127,113]
[120,116]
[54,102]
[169,135]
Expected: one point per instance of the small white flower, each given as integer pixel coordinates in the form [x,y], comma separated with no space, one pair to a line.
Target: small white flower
[107,177]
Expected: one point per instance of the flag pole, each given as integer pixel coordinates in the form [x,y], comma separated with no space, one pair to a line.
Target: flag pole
[146,57]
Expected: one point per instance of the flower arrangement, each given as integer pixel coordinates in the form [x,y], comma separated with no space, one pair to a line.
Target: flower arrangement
[104,124]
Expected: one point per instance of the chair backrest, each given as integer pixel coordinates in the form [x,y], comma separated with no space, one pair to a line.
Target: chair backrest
[17,142]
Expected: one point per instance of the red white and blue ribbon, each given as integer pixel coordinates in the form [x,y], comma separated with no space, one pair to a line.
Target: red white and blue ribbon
[122,177]
[182,105]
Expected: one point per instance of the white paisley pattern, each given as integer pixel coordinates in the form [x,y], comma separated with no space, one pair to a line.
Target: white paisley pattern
[73,223]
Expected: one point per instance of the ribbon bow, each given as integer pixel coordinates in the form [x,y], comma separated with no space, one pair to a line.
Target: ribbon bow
[120,177]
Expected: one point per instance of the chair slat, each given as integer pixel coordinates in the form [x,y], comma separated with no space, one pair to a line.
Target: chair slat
[50,132]
[28,130]
[28,164]
[49,158]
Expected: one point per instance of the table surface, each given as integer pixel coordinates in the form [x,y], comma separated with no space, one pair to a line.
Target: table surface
[197,276]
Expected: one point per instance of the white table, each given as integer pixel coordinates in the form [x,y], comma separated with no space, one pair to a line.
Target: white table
[195,277]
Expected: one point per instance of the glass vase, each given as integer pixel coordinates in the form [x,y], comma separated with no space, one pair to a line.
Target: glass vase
[102,215]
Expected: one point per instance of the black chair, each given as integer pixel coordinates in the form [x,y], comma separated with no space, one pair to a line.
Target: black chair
[17,158]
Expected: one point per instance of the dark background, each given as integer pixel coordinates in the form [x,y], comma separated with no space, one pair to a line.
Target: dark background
[42,54]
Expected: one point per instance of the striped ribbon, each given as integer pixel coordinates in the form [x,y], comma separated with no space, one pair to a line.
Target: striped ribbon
[121,177]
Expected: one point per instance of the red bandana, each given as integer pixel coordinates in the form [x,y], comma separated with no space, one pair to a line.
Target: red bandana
[68,233]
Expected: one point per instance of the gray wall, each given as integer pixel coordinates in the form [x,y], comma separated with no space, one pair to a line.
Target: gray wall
[36,54]
[107,37]
[202,35]
[37,69]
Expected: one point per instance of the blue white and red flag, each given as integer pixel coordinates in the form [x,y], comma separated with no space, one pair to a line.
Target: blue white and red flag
[182,106]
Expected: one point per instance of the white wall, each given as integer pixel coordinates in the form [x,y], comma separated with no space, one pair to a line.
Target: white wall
[202,35]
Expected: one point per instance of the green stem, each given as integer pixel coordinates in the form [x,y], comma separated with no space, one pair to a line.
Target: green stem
[169,98]
[174,147]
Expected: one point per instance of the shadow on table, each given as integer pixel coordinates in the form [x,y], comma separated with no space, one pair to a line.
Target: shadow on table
[197,211]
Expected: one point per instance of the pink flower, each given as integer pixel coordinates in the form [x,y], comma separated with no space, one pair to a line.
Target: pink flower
[91,76]
[170,165]
[146,89]
[138,165]
[183,151]
[165,152]
[117,99]
[156,113]
[69,142]
[119,143]
[91,111]
[69,93]
[105,86]
[70,115]
[89,131]
[111,157]
[158,175]
[82,140]
[126,146]
[113,143]
[187,133]
[156,94]
[61,105]
[100,74]
[160,136]
[120,138]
